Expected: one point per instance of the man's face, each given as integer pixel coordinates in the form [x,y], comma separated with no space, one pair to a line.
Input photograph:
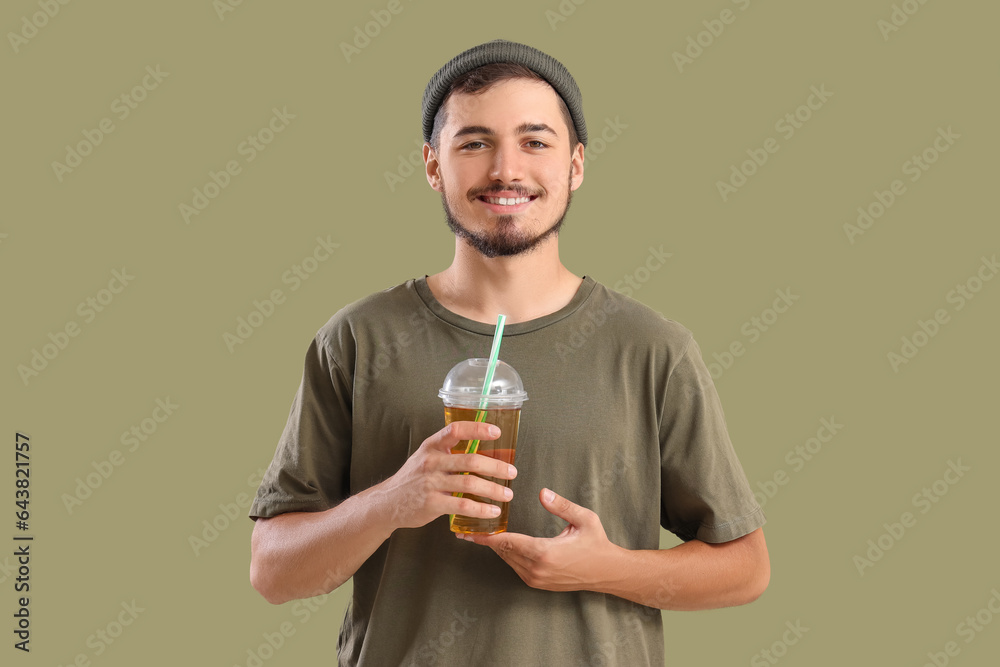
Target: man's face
[504,168]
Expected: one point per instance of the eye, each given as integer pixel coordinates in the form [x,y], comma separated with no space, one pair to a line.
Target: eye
[538,144]
[473,144]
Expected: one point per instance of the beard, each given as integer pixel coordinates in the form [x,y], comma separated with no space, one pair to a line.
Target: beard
[505,240]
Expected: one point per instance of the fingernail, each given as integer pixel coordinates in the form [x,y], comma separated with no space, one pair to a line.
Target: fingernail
[508,494]
[494,430]
[512,471]
[495,511]
[548,496]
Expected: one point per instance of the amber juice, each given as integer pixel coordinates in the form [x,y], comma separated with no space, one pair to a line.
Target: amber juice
[502,448]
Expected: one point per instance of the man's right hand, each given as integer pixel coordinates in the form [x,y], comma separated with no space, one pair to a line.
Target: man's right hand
[421,490]
[301,554]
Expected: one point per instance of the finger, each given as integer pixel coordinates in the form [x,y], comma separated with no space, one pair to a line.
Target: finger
[507,545]
[455,432]
[472,508]
[482,463]
[564,509]
[477,486]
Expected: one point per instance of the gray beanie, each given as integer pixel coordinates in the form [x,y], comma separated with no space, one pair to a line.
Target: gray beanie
[503,51]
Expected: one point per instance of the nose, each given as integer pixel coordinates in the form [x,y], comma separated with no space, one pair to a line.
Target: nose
[508,163]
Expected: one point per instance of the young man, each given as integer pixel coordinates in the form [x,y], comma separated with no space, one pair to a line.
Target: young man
[623,431]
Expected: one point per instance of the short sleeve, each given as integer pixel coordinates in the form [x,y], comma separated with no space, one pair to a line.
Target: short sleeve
[704,491]
[310,470]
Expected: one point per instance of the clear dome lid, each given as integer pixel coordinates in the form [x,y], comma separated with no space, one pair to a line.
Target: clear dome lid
[463,386]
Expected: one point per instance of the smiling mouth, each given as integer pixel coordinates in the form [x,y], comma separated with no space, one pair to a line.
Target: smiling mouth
[507,201]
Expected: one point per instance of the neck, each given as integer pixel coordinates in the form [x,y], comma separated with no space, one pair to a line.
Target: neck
[522,287]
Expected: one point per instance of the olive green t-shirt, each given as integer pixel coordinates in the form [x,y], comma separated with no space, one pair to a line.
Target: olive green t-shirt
[622,417]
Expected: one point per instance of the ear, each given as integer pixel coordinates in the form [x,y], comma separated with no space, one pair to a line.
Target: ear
[576,167]
[432,168]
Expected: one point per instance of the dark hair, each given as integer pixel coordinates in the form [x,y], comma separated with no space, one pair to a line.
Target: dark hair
[482,79]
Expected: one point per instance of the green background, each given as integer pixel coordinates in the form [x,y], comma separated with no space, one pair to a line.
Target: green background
[655,185]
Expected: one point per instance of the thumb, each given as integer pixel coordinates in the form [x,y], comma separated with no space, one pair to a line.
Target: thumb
[563,508]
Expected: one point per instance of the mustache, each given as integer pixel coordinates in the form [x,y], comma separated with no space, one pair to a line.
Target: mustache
[493,189]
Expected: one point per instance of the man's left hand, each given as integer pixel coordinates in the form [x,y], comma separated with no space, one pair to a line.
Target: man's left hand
[579,558]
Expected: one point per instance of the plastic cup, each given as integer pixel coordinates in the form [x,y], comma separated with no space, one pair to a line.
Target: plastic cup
[464,399]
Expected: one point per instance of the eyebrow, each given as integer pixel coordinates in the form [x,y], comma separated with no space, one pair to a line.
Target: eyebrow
[523,128]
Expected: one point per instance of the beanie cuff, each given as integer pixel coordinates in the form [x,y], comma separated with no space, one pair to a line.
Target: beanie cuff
[503,51]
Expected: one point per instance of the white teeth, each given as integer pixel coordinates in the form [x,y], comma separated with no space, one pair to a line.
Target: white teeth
[505,201]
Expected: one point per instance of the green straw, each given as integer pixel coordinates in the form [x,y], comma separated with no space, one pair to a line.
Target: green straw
[473,445]
[490,368]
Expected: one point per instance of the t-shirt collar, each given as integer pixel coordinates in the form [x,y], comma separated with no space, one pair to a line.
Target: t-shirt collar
[424,292]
